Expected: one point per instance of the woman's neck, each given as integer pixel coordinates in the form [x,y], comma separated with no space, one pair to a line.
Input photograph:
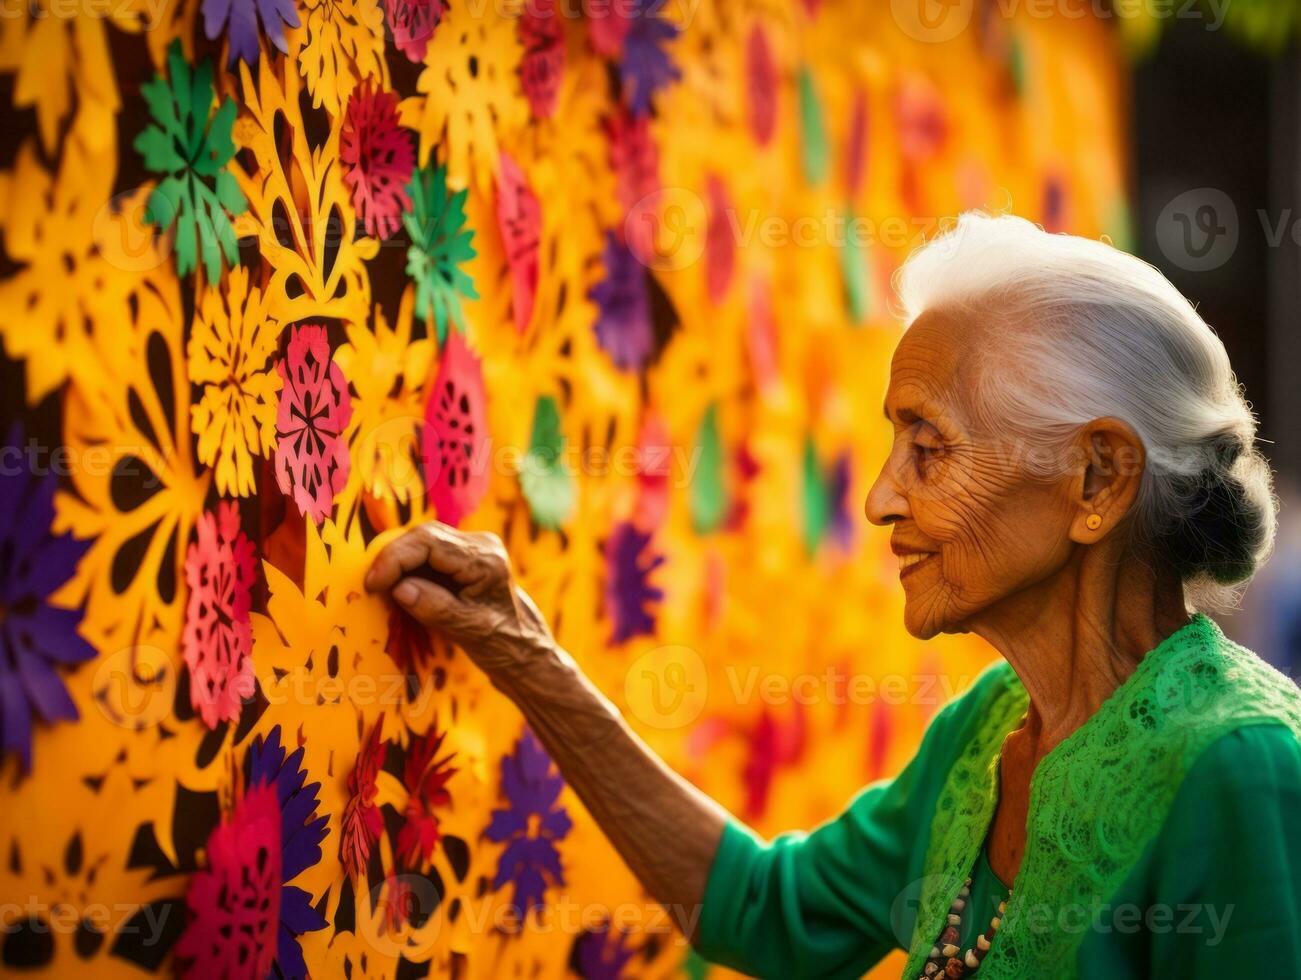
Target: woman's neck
[1075,637]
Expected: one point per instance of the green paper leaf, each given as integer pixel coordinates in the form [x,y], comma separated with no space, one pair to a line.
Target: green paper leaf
[440,243]
[547,483]
[813,130]
[708,498]
[853,265]
[816,509]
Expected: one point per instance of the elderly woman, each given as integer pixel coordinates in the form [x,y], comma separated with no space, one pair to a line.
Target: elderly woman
[1073,468]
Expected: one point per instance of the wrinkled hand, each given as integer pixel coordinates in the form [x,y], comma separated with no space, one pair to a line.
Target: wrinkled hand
[459,583]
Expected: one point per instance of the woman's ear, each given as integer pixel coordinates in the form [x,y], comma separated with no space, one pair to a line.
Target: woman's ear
[1111,463]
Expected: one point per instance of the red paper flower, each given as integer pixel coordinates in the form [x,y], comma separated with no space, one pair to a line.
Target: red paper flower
[408,642]
[217,641]
[455,437]
[762,82]
[635,159]
[542,35]
[607,25]
[235,902]
[412,23]
[312,456]
[519,215]
[377,158]
[426,780]
[362,820]
[720,242]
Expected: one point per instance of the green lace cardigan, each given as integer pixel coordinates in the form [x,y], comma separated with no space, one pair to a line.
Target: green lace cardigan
[1164,839]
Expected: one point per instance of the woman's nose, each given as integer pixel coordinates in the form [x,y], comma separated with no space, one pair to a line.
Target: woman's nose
[886,502]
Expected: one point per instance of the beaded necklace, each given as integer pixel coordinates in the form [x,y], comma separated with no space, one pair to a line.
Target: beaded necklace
[946,959]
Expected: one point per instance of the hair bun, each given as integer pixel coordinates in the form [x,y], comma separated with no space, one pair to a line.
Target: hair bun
[1228,517]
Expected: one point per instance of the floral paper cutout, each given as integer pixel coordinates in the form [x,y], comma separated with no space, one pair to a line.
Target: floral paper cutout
[425,775]
[854,266]
[604,953]
[340,44]
[708,496]
[275,834]
[455,439]
[607,26]
[547,483]
[377,157]
[220,571]
[190,150]
[629,595]
[531,825]
[623,325]
[519,216]
[412,23]
[36,635]
[362,821]
[387,370]
[231,345]
[720,242]
[813,129]
[241,19]
[408,643]
[856,144]
[312,459]
[469,94]
[635,159]
[762,86]
[440,244]
[646,66]
[542,35]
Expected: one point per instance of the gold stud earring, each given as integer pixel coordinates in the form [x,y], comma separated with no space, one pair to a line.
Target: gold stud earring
[1093,522]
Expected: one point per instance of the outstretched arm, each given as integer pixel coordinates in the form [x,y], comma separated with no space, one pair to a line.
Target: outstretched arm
[460,584]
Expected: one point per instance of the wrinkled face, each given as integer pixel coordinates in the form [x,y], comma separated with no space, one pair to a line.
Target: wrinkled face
[970,525]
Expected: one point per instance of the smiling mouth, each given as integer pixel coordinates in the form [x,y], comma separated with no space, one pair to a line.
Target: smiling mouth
[909,563]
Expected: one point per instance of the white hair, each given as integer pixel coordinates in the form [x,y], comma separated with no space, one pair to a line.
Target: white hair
[1073,330]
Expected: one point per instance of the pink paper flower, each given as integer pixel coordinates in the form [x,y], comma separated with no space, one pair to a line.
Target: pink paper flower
[542,35]
[412,23]
[455,436]
[217,641]
[311,455]
[235,902]
[519,216]
[377,157]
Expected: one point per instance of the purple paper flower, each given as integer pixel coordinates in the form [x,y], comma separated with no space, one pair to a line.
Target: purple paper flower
[841,524]
[646,66]
[240,19]
[35,636]
[301,833]
[628,591]
[602,954]
[531,860]
[623,325]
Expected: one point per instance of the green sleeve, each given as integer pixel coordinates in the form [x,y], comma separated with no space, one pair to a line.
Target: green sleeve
[1222,890]
[832,902]
[1231,848]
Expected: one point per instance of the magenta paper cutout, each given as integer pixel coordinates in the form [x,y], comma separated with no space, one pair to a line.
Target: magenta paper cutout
[856,144]
[772,745]
[217,641]
[362,821]
[762,83]
[542,35]
[425,776]
[377,158]
[635,160]
[519,216]
[720,241]
[455,440]
[607,25]
[311,455]
[412,23]
[235,902]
